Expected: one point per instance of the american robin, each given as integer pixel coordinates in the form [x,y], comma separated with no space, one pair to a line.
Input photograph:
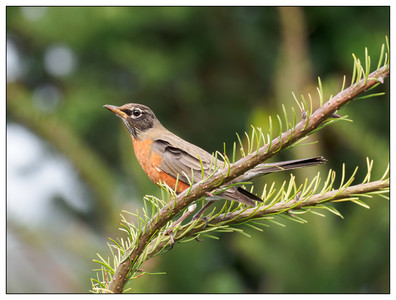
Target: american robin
[165,157]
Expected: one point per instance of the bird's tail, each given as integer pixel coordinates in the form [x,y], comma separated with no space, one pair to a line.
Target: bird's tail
[263,169]
[241,195]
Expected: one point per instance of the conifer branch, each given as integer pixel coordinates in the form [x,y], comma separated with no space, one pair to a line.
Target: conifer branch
[242,215]
[151,237]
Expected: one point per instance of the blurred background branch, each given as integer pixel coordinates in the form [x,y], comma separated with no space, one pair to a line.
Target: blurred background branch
[92,168]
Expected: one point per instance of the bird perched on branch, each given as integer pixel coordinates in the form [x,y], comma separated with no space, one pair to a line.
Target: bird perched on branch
[167,158]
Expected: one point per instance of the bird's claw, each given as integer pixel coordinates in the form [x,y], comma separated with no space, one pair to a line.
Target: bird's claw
[171,239]
[197,239]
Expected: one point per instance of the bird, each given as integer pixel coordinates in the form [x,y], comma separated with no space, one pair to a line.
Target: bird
[167,158]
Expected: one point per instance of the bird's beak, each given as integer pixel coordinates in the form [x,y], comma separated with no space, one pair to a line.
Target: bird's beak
[116,110]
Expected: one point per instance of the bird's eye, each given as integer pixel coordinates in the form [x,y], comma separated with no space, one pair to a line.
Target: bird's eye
[136,112]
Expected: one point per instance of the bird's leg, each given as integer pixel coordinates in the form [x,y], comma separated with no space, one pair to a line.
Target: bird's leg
[190,210]
[172,240]
[201,211]
[198,215]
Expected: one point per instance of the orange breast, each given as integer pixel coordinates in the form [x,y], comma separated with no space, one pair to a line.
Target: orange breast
[150,161]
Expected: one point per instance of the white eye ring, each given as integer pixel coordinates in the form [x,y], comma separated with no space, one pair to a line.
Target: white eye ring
[136,113]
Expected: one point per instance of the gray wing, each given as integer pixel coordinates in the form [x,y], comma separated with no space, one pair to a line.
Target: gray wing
[177,162]
[180,163]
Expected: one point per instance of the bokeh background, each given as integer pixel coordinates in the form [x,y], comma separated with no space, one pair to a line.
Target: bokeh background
[207,72]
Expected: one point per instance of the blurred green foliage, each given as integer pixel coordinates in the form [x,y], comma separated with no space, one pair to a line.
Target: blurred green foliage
[207,72]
